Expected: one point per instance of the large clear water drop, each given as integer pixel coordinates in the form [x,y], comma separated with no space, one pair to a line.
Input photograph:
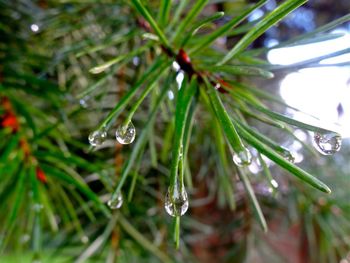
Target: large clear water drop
[116,201]
[327,143]
[126,134]
[176,201]
[97,138]
[242,158]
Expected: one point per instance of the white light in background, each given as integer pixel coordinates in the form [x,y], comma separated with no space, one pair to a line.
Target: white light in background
[295,54]
[34,27]
[258,13]
[317,91]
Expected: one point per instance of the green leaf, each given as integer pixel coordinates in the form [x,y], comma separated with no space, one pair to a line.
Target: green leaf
[49,170]
[71,160]
[138,102]
[223,165]
[9,148]
[143,241]
[272,155]
[258,213]
[321,29]
[141,140]
[183,104]
[267,141]
[272,18]
[99,241]
[224,119]
[267,173]
[100,68]
[177,232]
[144,12]
[191,15]
[186,140]
[97,84]
[152,74]
[199,25]
[37,239]
[240,70]
[22,110]
[225,28]
[163,15]
[174,21]
[121,37]
[14,208]
[280,117]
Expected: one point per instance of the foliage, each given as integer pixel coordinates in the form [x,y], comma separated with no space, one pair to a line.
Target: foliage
[92,66]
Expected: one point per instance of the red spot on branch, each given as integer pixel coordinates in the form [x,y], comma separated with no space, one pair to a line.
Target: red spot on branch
[9,120]
[185,62]
[40,175]
[222,86]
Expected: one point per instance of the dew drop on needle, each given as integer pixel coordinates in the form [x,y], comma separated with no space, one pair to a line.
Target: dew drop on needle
[126,134]
[327,143]
[98,137]
[242,158]
[116,201]
[176,202]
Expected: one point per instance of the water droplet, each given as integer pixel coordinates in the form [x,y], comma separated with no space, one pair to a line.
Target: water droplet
[179,78]
[327,143]
[136,61]
[34,27]
[83,103]
[24,238]
[176,66]
[288,156]
[84,239]
[97,137]
[274,183]
[116,201]
[242,158]
[37,207]
[181,152]
[171,95]
[176,202]
[99,69]
[126,134]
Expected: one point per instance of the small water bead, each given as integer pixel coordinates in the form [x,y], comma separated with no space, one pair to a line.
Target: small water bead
[242,158]
[126,134]
[176,203]
[84,239]
[37,207]
[34,27]
[274,183]
[327,143]
[181,152]
[288,156]
[97,138]
[24,238]
[83,103]
[116,202]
